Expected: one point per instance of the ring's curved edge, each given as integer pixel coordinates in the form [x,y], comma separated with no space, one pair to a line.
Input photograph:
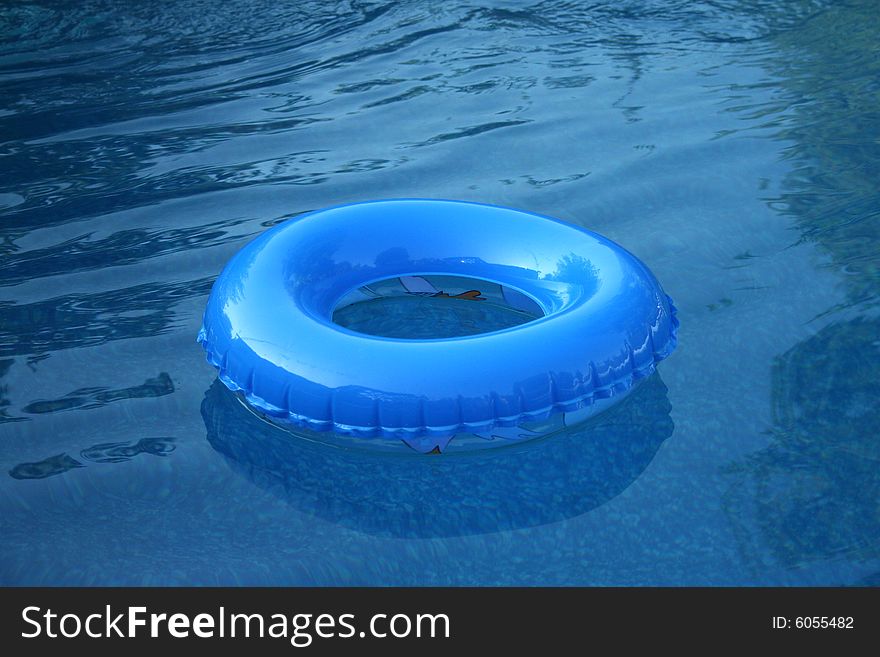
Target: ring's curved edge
[621,385]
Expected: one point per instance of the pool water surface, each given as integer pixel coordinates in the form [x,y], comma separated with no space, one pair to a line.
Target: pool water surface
[734,147]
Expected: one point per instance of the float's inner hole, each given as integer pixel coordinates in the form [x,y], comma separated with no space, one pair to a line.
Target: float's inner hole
[429,306]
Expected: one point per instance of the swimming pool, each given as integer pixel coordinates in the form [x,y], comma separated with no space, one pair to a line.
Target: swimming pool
[733,147]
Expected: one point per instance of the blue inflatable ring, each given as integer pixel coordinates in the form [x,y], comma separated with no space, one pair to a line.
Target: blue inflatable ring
[268,325]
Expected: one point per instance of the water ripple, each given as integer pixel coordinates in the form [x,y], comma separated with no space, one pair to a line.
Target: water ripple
[81,320]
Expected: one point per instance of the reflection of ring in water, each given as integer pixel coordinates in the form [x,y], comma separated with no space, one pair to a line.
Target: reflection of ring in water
[525,485]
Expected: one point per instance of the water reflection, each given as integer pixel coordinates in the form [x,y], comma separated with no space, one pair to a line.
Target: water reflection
[5,364]
[125,247]
[832,192]
[117,452]
[87,398]
[544,481]
[87,319]
[48,467]
[813,493]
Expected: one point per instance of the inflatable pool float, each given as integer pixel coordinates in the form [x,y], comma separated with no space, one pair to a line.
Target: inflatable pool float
[598,324]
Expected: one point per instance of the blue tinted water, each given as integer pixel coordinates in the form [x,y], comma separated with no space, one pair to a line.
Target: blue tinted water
[732,146]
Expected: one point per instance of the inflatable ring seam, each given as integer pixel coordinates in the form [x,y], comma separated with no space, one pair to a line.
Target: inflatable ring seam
[621,385]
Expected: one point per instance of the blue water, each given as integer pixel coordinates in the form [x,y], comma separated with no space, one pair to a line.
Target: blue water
[733,146]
